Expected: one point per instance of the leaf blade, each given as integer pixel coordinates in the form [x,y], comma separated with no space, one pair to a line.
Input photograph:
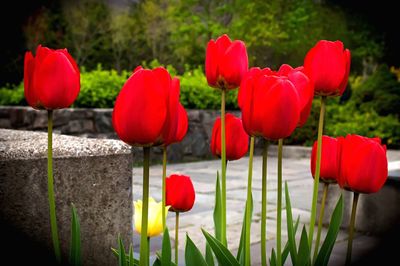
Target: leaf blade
[223,255]
[193,255]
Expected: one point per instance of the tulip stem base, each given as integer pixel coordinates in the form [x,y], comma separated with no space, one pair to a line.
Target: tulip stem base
[320,219]
[223,171]
[317,172]
[164,174]
[248,203]
[50,186]
[351,228]
[279,207]
[264,206]
[144,243]
[176,236]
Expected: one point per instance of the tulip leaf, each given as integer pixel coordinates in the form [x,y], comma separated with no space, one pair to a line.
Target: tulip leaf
[272,259]
[303,256]
[121,252]
[290,229]
[333,230]
[242,244]
[131,260]
[157,262]
[75,245]
[217,209]
[166,249]
[286,249]
[193,255]
[209,255]
[128,258]
[223,255]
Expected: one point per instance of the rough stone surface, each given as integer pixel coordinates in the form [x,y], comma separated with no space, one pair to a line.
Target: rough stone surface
[95,175]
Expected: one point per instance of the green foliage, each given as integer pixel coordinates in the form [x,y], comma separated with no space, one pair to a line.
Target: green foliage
[99,88]
[195,92]
[12,96]
[380,92]
[223,255]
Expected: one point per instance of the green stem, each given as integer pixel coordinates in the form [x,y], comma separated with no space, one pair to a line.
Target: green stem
[176,236]
[321,217]
[50,186]
[351,228]
[144,247]
[279,207]
[317,171]
[248,204]
[164,174]
[223,172]
[264,206]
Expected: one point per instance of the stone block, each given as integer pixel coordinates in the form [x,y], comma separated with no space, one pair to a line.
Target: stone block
[93,174]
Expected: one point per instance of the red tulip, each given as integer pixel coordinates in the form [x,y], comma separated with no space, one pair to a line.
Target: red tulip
[176,124]
[51,79]
[237,140]
[147,111]
[274,103]
[226,62]
[328,66]
[180,194]
[363,165]
[329,165]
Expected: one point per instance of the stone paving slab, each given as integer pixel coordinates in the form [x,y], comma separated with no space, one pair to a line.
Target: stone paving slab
[296,171]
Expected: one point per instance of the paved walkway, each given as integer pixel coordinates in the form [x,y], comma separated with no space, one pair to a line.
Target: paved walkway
[295,171]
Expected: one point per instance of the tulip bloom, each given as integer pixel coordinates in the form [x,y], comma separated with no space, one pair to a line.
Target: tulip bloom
[363,165]
[237,140]
[180,194]
[154,226]
[51,79]
[274,103]
[226,62]
[329,165]
[328,66]
[147,111]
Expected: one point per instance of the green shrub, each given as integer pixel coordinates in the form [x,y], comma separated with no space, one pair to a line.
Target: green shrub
[99,88]
[196,94]
[12,95]
[380,91]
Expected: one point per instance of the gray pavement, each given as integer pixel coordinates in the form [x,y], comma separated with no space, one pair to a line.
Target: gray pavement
[295,171]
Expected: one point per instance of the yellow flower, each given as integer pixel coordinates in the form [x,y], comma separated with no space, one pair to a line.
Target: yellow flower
[154,223]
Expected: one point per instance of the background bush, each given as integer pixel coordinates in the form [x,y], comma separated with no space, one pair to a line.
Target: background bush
[370,106]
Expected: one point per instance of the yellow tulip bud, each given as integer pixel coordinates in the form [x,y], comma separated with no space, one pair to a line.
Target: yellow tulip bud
[154,222]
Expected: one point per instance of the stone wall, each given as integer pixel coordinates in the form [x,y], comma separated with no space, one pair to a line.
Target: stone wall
[94,174]
[96,123]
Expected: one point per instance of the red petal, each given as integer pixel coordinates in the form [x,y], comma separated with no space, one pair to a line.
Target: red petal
[56,81]
[234,64]
[140,109]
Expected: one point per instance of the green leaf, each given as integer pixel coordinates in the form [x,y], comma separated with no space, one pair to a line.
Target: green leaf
[303,256]
[333,230]
[131,260]
[286,250]
[272,259]
[75,245]
[242,244]
[217,210]
[157,262]
[290,229]
[193,255]
[223,255]
[209,255]
[128,259]
[166,249]
[121,252]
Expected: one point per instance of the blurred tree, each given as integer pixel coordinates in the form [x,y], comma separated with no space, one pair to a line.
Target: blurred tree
[87,31]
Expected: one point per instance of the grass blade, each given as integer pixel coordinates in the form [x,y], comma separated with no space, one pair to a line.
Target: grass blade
[75,245]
